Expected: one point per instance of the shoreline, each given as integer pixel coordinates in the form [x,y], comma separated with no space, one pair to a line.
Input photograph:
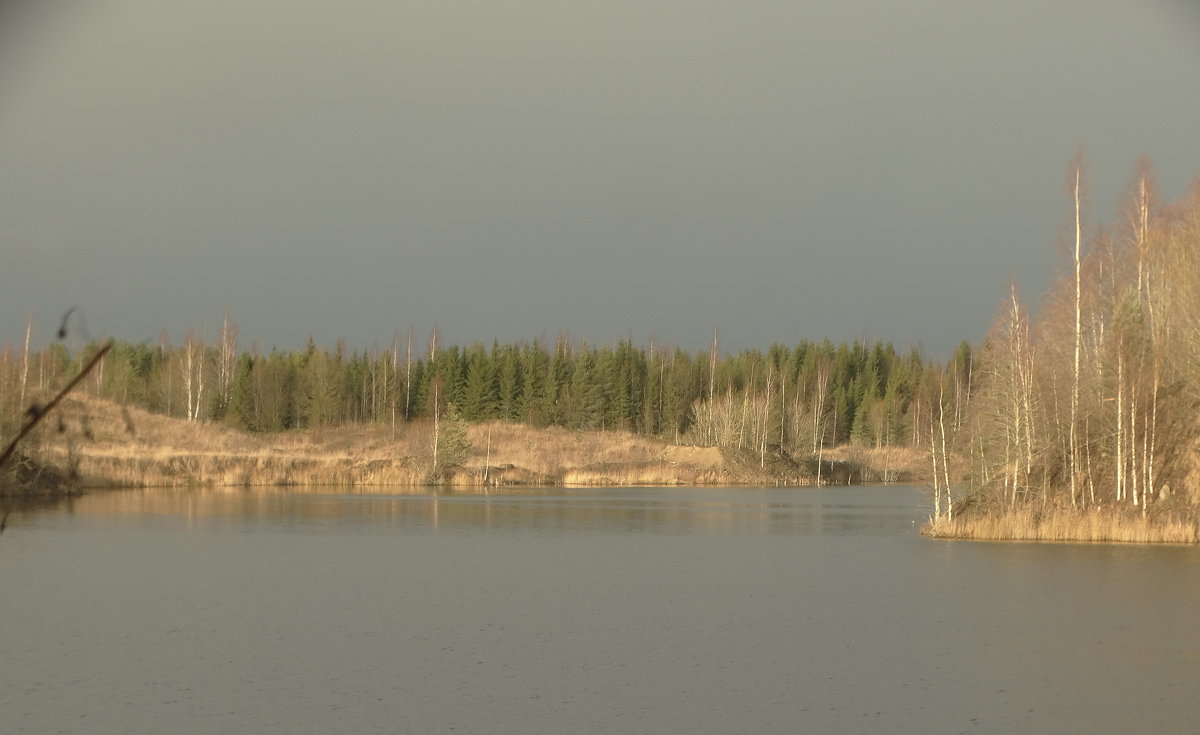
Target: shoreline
[101,445]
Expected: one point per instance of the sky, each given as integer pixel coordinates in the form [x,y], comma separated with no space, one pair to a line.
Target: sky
[521,169]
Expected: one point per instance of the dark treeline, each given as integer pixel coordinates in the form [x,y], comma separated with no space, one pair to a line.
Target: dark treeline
[795,399]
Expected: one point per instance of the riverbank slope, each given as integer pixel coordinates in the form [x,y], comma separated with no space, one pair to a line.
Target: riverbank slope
[94,443]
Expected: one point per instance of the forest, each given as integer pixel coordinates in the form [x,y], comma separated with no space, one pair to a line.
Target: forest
[795,400]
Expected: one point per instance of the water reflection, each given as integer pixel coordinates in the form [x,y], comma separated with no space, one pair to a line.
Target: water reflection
[664,610]
[754,511]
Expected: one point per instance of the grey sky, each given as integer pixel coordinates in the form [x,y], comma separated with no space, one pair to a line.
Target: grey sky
[780,170]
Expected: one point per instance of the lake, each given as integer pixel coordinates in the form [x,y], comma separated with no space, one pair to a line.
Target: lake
[616,610]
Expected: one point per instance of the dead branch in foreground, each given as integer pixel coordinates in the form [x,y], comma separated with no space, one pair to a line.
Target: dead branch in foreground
[36,413]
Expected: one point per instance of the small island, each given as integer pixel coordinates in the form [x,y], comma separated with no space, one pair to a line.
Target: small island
[1084,423]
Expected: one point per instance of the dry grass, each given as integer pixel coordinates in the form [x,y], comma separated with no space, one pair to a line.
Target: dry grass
[891,464]
[563,457]
[103,445]
[1107,525]
[112,447]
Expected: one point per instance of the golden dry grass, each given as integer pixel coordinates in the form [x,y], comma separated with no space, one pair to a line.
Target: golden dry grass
[900,464]
[565,457]
[105,445]
[1107,525]
[115,447]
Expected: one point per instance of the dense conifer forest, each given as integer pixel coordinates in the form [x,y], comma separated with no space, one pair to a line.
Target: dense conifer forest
[794,400]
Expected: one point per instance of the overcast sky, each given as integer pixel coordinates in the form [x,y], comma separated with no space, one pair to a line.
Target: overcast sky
[512,169]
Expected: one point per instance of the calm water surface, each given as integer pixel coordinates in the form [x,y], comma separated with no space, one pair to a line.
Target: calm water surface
[656,610]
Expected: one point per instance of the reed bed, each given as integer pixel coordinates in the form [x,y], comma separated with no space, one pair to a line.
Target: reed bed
[1104,525]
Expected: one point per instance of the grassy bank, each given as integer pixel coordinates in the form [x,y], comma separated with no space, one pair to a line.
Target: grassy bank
[1166,524]
[95,443]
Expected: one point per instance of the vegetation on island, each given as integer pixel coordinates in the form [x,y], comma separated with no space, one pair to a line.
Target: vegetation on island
[1083,424]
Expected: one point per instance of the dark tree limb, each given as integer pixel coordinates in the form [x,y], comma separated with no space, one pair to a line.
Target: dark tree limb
[36,413]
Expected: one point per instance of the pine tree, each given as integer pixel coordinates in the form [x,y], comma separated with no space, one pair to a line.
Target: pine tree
[508,383]
[534,366]
[479,395]
[453,444]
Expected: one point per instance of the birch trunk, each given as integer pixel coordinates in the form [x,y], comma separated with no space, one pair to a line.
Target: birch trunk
[1120,424]
[187,376]
[437,423]
[937,493]
[712,367]
[766,420]
[1078,335]
[945,460]
[408,375]
[25,362]
[1133,456]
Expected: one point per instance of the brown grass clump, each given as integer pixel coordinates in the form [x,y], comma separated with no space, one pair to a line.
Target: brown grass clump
[1097,524]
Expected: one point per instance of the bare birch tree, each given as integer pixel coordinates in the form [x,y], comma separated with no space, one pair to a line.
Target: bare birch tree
[226,363]
[1076,175]
[25,361]
[712,366]
[192,367]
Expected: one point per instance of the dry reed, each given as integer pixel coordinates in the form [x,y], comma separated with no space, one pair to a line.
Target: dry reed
[1105,524]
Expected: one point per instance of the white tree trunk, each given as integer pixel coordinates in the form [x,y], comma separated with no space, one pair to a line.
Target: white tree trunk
[822,380]
[1120,423]
[25,361]
[408,375]
[766,419]
[945,460]
[187,376]
[937,491]
[199,382]
[227,366]
[1078,334]
[1133,432]
[712,366]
